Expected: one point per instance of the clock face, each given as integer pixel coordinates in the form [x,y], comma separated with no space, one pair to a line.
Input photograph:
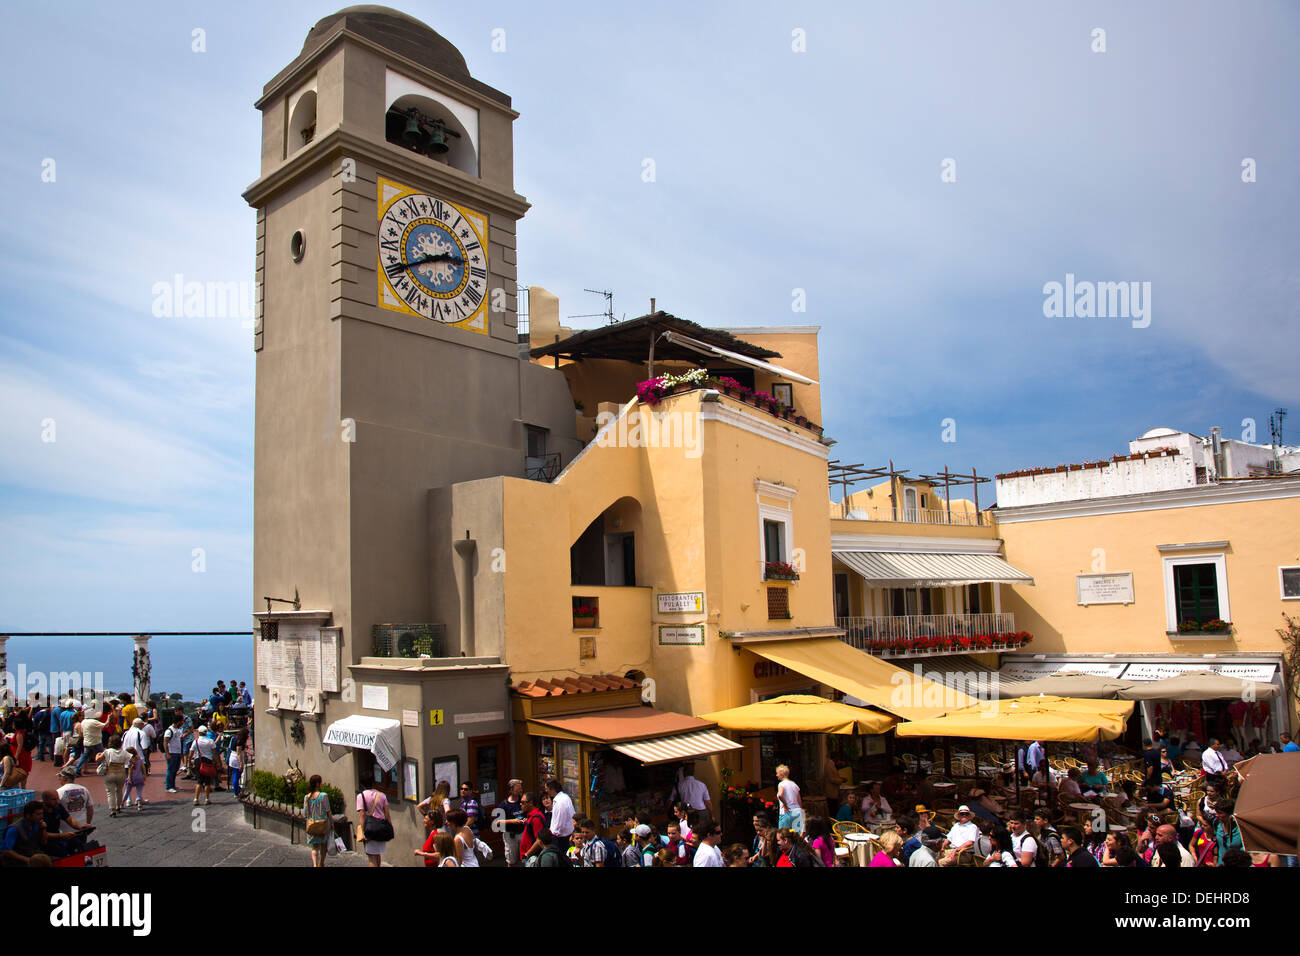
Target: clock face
[432,258]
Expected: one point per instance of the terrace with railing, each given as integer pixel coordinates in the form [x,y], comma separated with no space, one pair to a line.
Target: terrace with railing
[958,516]
[911,635]
[904,494]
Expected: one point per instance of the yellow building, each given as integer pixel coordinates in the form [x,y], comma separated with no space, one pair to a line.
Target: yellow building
[1147,585]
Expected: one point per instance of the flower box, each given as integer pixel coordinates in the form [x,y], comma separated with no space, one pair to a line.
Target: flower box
[1215,626]
[585,615]
[779,571]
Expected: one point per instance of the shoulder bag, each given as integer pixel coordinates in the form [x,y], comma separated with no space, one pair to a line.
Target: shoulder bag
[375,830]
[317,826]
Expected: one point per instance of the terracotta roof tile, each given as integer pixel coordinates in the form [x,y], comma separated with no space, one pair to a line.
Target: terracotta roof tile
[568,684]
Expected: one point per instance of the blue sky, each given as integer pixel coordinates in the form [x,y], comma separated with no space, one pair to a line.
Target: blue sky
[775,170]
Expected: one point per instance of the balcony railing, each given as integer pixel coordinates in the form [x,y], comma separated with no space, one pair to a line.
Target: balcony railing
[912,515]
[911,634]
[543,468]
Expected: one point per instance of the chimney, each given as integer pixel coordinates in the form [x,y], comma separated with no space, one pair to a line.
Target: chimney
[1216,450]
[652,305]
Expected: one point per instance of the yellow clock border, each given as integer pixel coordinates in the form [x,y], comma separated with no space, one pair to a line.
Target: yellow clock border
[478,321]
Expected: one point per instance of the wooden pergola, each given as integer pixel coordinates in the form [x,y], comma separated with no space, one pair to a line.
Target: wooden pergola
[848,475]
[949,479]
[641,341]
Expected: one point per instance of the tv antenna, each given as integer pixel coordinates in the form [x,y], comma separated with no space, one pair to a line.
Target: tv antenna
[1275,425]
[608,314]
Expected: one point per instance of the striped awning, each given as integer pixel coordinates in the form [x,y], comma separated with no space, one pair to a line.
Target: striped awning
[914,569]
[677,747]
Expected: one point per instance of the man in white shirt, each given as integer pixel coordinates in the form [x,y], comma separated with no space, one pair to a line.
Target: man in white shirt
[1035,756]
[92,740]
[1167,834]
[76,800]
[561,815]
[174,743]
[708,854]
[1023,846]
[136,740]
[962,836]
[1213,760]
[691,792]
[923,856]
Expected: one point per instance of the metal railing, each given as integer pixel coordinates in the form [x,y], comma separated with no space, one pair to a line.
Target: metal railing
[912,515]
[544,468]
[861,631]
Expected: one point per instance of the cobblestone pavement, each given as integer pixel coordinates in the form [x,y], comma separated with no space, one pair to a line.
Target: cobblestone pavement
[171,831]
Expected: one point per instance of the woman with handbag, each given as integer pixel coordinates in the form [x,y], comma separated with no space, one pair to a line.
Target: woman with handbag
[320,824]
[115,764]
[203,760]
[375,827]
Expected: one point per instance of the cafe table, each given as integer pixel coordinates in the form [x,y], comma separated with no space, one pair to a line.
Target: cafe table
[862,847]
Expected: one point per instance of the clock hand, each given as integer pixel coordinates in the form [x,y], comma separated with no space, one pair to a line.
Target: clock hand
[397,268]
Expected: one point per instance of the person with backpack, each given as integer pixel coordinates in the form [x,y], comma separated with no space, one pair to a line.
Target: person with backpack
[549,856]
[1049,850]
[598,850]
[174,742]
[46,721]
[1023,845]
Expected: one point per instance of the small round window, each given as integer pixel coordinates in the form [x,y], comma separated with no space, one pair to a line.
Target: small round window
[298,246]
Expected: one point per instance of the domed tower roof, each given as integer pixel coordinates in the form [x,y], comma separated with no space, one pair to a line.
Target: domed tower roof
[404,35]
[1160,432]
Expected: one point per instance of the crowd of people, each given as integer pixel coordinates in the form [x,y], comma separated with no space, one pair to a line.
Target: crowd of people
[117,739]
[992,827]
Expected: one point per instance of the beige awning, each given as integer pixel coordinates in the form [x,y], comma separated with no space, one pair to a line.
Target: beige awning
[869,679]
[1198,685]
[678,747]
[708,348]
[912,569]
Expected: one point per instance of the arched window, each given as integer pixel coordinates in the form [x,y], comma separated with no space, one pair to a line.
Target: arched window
[302,122]
[424,125]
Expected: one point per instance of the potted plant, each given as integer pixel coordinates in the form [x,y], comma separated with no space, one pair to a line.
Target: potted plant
[651,391]
[584,615]
[779,571]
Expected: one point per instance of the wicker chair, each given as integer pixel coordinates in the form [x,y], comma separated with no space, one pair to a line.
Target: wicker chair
[841,827]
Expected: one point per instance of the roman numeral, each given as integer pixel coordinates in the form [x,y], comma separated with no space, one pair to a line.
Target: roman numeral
[473,295]
[478,271]
[389,244]
[410,208]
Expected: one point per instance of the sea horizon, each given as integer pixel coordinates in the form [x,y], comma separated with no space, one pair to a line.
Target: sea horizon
[190,666]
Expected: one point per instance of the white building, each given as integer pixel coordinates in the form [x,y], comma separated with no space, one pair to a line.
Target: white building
[1162,459]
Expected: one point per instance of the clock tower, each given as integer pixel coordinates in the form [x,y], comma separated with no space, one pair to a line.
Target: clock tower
[387,354]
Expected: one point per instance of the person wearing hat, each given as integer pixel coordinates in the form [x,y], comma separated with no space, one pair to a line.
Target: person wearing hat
[644,844]
[924,816]
[931,842]
[203,756]
[961,837]
[135,742]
